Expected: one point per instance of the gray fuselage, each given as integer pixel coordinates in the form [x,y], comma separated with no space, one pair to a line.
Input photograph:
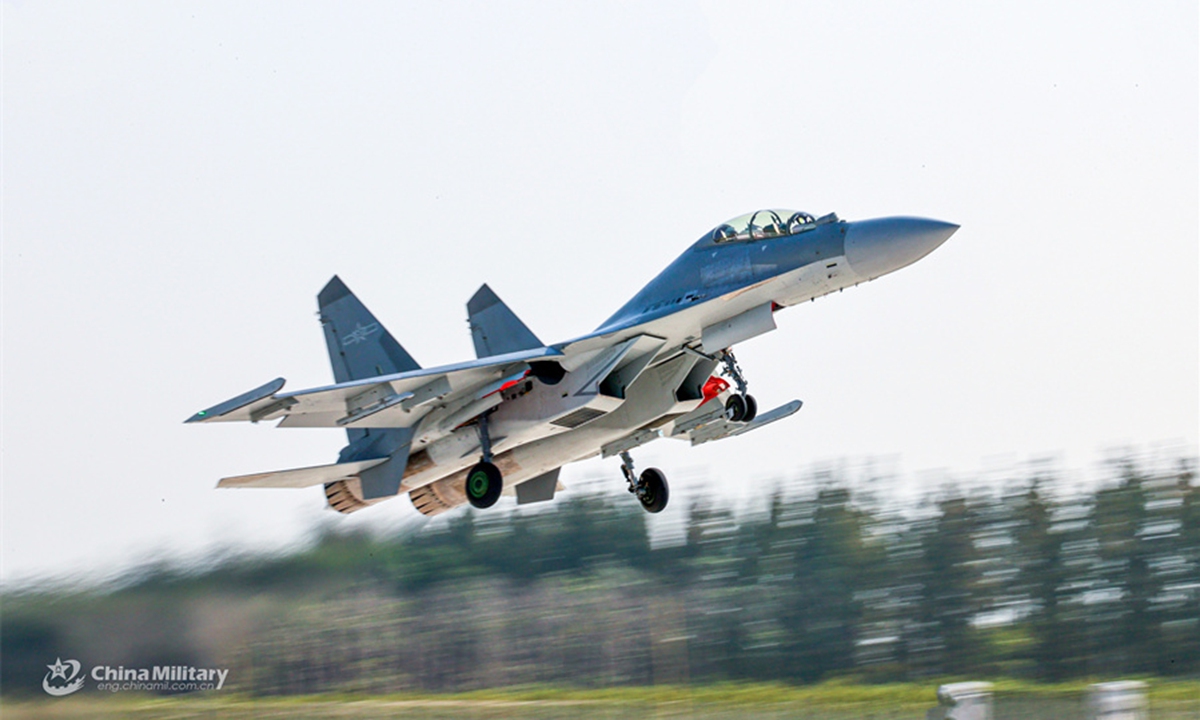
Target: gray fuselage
[720,291]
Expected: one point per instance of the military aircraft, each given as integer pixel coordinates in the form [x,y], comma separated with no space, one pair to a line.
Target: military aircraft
[508,421]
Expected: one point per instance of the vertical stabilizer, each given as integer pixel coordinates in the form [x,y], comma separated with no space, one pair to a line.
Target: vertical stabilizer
[359,346]
[495,329]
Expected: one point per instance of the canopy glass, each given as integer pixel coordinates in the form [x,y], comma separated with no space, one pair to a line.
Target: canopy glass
[763,224]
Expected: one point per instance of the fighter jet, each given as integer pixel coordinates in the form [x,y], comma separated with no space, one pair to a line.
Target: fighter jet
[506,423]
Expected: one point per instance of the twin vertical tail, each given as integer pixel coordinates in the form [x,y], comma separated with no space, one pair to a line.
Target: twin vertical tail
[360,347]
[495,328]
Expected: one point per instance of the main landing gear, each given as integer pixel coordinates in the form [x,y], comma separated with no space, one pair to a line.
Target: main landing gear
[484,482]
[651,488]
[741,406]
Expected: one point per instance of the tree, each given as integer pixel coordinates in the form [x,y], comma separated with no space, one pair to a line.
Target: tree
[948,601]
[1043,579]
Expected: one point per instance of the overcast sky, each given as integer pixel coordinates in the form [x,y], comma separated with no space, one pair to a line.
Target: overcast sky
[179,180]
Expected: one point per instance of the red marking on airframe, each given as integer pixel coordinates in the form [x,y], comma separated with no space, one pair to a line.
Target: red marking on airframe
[713,387]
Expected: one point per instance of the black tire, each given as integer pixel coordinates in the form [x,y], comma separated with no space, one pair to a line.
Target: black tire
[484,484]
[735,408]
[653,492]
[751,409]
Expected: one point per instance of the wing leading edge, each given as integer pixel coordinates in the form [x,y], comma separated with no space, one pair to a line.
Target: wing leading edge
[385,401]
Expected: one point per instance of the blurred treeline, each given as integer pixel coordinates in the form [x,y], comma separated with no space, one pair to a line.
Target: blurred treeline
[1037,581]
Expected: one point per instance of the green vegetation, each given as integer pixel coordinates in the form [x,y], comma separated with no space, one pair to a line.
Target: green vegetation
[823,594]
[831,700]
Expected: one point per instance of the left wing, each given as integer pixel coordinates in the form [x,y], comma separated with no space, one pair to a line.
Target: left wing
[388,401]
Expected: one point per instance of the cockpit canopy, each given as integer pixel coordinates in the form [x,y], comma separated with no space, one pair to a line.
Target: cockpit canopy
[764,224]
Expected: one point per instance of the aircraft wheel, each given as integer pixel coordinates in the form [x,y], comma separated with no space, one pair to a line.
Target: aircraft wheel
[735,408]
[751,409]
[484,484]
[652,490]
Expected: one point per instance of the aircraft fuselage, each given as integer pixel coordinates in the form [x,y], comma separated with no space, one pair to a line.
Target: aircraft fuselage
[513,417]
[708,284]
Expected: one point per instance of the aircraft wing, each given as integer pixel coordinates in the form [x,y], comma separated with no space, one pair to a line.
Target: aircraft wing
[709,423]
[385,401]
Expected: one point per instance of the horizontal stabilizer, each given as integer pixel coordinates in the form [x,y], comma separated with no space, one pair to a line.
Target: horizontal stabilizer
[495,328]
[301,477]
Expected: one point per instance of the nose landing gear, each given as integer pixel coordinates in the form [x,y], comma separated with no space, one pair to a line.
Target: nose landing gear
[650,488]
[741,407]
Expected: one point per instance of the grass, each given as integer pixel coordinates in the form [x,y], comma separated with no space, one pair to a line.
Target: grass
[832,700]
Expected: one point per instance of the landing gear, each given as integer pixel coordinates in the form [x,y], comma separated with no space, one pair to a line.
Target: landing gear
[650,488]
[735,408]
[741,407]
[484,481]
[484,484]
[751,409]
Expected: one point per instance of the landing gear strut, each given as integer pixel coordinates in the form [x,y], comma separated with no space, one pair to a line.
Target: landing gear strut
[651,488]
[741,407]
[484,482]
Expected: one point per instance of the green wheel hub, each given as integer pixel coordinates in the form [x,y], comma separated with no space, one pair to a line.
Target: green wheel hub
[477,484]
[484,485]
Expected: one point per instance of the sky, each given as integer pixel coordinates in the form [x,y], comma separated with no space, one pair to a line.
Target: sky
[180,179]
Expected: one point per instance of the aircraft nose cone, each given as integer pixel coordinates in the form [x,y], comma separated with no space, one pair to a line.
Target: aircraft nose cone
[878,247]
